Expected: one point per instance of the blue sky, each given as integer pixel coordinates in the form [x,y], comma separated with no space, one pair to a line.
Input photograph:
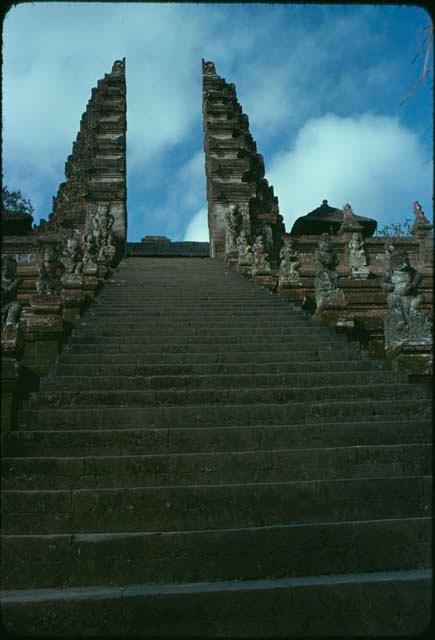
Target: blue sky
[322,86]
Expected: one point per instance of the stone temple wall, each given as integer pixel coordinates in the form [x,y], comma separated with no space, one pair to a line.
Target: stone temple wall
[234,169]
[96,169]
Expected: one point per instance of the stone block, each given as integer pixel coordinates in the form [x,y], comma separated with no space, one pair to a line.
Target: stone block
[10,375]
[416,358]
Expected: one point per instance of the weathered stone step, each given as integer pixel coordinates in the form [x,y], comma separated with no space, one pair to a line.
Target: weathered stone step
[35,562]
[219,415]
[214,506]
[399,603]
[287,344]
[82,334]
[214,439]
[195,340]
[174,324]
[324,353]
[175,469]
[190,314]
[179,397]
[121,370]
[74,383]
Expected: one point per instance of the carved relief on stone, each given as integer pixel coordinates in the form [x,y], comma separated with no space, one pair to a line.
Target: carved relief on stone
[404,321]
[261,257]
[357,257]
[326,279]
[245,250]
[49,271]
[72,256]
[233,223]
[289,264]
[11,309]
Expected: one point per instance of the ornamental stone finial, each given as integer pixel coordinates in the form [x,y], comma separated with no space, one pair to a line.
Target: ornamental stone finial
[208,68]
[419,214]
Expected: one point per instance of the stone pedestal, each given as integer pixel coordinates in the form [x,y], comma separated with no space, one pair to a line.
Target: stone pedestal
[267,280]
[414,357]
[232,260]
[11,352]
[73,297]
[103,269]
[43,333]
[293,292]
[90,280]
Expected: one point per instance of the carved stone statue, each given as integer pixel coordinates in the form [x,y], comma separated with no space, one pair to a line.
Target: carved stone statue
[326,287]
[348,213]
[357,257]
[245,250]
[48,281]
[261,257]
[72,256]
[420,218]
[404,321]
[11,309]
[289,264]
[233,221]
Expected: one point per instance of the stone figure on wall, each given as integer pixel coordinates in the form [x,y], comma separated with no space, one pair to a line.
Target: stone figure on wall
[289,264]
[261,257]
[49,270]
[404,321]
[72,255]
[245,250]
[11,309]
[357,257]
[233,222]
[326,279]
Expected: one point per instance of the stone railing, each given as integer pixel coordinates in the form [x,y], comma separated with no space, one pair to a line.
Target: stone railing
[48,279]
[358,286]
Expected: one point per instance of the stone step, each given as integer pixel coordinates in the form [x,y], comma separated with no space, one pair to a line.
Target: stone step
[179,397]
[191,314]
[229,415]
[196,340]
[47,561]
[83,383]
[231,324]
[213,439]
[283,368]
[229,467]
[369,604]
[324,353]
[210,506]
[84,334]
[285,344]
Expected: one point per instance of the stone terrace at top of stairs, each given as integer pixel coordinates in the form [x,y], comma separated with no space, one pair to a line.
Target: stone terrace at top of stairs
[205,460]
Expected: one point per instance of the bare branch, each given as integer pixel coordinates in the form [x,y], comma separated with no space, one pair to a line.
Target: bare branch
[426,45]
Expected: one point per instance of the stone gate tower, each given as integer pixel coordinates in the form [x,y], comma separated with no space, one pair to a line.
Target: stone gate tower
[234,169]
[96,169]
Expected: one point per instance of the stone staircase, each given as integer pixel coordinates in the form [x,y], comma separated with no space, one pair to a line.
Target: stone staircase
[205,460]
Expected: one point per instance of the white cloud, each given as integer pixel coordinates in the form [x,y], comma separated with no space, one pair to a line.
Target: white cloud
[197,229]
[371,161]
